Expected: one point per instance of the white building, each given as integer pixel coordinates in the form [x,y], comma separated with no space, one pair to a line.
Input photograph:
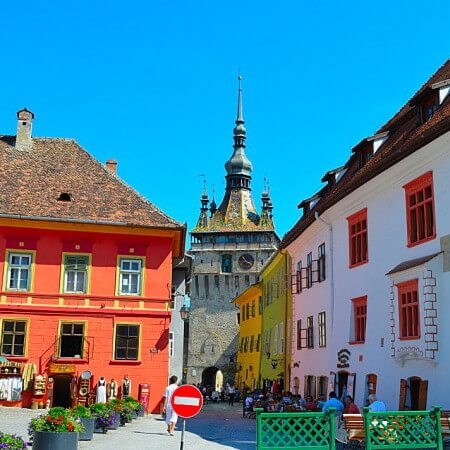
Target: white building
[380,283]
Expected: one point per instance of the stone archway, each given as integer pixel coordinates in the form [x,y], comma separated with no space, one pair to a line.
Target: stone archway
[209,376]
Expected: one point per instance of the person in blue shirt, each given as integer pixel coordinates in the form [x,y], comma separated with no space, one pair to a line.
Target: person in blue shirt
[333,402]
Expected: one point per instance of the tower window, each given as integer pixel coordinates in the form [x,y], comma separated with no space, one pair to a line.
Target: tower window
[226,263]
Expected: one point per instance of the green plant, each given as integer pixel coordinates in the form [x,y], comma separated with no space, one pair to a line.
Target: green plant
[82,412]
[11,442]
[57,420]
[103,413]
[98,408]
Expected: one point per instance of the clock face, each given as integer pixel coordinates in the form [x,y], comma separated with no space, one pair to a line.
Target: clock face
[246,261]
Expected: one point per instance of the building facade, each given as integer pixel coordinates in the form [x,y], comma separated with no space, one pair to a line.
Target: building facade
[249,305]
[275,330]
[230,244]
[86,270]
[381,278]
[181,275]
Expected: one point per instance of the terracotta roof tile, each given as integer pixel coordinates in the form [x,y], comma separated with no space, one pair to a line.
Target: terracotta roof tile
[405,137]
[31,182]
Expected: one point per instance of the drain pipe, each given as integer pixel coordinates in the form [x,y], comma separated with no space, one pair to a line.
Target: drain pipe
[330,229]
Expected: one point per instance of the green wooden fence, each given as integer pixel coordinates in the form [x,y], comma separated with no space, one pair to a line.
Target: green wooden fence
[316,431]
[403,429]
[306,430]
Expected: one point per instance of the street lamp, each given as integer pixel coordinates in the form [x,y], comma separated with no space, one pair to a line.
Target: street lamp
[184,313]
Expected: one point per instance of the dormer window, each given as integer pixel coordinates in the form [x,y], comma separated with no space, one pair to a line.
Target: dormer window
[333,176]
[369,146]
[429,106]
[309,203]
[65,197]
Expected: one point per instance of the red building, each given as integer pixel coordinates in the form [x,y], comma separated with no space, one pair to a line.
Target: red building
[85,267]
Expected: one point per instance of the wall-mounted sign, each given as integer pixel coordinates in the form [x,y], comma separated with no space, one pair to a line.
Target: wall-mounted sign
[62,368]
[343,357]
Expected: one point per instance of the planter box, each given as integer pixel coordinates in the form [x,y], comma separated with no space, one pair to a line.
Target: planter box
[46,440]
[98,428]
[116,423]
[134,414]
[89,425]
[141,413]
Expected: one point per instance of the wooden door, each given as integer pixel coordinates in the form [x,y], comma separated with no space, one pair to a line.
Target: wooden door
[402,397]
[423,391]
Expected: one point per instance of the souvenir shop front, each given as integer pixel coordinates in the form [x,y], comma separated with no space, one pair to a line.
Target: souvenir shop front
[15,379]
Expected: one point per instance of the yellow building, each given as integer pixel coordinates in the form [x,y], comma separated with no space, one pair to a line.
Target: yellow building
[275,364]
[249,345]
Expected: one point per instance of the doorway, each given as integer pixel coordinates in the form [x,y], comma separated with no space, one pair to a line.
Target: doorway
[61,391]
[209,376]
[413,394]
[342,382]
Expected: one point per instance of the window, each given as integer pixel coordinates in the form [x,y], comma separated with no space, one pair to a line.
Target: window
[127,342]
[227,282]
[299,334]
[19,271]
[197,290]
[322,330]
[420,210]
[75,273]
[243,313]
[171,344]
[275,340]
[408,306]
[71,340]
[253,308]
[309,271]
[206,286]
[173,297]
[241,346]
[13,337]
[246,344]
[299,277]
[238,318]
[226,263]
[310,332]
[260,305]
[429,107]
[247,280]
[130,276]
[360,319]
[281,340]
[357,232]
[321,262]
[216,281]
[236,281]
[258,343]
[252,343]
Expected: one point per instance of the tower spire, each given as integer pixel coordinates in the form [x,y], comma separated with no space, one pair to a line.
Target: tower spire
[238,167]
[240,113]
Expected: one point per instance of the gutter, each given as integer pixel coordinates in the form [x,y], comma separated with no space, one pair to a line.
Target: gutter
[330,230]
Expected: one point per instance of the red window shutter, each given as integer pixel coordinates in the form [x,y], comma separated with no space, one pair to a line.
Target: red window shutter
[357,238]
[420,214]
[423,390]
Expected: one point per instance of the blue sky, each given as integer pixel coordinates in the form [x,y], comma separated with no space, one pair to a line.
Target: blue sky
[153,85]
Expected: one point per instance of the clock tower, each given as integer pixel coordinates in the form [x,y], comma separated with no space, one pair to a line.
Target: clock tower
[230,244]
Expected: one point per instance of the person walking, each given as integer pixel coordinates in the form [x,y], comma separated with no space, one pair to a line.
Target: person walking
[231,394]
[171,415]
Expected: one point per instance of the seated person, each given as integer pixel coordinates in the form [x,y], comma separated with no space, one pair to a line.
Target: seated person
[350,407]
[310,403]
[249,403]
[333,402]
[376,405]
[215,396]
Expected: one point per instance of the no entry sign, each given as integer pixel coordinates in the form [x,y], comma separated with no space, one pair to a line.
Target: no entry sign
[187,401]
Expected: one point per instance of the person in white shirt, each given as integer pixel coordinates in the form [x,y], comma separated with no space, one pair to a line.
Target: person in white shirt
[171,415]
[376,405]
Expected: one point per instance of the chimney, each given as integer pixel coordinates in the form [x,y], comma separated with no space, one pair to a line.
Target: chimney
[111,165]
[24,123]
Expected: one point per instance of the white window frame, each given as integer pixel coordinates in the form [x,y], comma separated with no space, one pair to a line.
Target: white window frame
[129,273]
[76,271]
[21,269]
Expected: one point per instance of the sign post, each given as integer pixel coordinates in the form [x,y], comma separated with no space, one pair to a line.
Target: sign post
[187,402]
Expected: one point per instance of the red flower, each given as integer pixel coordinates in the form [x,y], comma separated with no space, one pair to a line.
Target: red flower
[70,426]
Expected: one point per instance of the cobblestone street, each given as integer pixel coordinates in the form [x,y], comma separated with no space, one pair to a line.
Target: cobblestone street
[217,427]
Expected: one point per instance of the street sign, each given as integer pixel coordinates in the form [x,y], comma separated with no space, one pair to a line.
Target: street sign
[187,401]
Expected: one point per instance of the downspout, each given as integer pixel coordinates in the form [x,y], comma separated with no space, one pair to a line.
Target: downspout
[330,229]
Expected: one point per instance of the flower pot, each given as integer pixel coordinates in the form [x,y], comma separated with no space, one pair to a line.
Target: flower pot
[134,414]
[89,425]
[141,413]
[116,423]
[47,440]
[98,426]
